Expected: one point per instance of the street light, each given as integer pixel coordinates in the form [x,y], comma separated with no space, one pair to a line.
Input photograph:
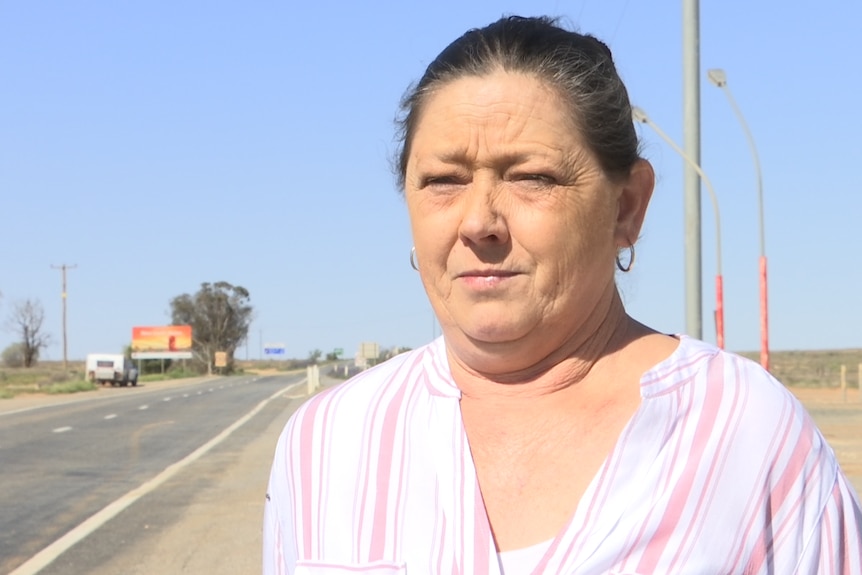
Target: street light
[719,78]
[640,116]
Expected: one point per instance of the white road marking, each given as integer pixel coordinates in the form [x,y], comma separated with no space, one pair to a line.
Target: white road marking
[47,555]
[144,407]
[185,395]
[62,429]
[112,416]
[200,393]
[166,399]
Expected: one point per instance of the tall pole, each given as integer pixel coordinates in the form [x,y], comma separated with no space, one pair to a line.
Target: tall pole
[63,269]
[691,143]
[719,78]
[640,116]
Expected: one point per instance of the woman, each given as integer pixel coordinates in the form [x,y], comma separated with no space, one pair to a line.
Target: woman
[546,431]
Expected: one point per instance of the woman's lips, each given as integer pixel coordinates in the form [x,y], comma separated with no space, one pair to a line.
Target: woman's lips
[486,279]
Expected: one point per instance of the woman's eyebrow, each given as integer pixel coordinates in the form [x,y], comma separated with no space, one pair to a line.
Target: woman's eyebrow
[461,157]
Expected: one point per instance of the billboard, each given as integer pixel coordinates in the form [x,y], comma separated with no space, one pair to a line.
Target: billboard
[162,342]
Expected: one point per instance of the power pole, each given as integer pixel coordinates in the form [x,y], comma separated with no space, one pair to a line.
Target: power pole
[63,269]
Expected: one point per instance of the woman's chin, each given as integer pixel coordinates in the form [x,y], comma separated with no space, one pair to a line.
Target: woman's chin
[494,334]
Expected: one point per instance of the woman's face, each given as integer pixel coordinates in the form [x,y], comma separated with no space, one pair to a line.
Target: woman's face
[515,225]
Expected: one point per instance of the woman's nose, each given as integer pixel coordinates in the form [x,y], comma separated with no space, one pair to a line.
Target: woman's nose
[482,220]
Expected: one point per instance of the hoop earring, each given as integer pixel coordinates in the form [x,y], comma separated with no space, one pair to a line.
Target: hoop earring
[413,258]
[628,267]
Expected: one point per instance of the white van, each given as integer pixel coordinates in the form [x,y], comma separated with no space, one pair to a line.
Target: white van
[113,368]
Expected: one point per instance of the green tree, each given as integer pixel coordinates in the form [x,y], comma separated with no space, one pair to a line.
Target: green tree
[220,315]
[314,356]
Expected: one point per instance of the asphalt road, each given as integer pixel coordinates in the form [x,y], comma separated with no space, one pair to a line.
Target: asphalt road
[63,463]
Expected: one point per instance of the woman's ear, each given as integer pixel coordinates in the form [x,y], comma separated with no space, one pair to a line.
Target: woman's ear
[632,203]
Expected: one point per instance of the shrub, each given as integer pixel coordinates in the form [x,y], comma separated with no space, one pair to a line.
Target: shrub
[13,355]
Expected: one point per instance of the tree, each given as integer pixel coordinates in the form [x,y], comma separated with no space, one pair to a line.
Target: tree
[220,315]
[314,355]
[25,320]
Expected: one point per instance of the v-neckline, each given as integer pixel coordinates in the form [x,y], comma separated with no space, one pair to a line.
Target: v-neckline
[602,504]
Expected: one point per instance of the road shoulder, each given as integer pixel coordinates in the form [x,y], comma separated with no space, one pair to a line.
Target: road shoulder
[207,519]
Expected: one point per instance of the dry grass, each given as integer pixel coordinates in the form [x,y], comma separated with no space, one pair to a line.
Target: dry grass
[269,365]
[813,368]
[46,377]
[798,369]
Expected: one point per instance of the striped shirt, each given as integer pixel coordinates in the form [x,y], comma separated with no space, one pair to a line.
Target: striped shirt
[720,470]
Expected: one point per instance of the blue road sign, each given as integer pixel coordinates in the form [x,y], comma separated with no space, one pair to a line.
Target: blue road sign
[274,349]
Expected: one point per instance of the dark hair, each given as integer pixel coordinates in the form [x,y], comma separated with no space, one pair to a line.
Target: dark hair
[580,67]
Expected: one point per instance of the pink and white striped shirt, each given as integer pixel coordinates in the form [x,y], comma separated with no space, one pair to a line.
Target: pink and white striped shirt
[720,470]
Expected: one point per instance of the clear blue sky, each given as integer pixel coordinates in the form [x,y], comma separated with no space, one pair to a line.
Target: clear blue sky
[158,145]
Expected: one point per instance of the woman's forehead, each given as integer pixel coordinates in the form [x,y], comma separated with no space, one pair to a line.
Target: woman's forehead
[503,109]
[499,88]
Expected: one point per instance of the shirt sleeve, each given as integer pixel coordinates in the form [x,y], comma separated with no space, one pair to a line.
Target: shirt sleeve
[279,540]
[835,547]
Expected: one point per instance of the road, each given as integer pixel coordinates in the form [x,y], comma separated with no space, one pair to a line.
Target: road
[63,463]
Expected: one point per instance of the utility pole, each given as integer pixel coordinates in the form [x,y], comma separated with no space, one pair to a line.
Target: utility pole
[63,269]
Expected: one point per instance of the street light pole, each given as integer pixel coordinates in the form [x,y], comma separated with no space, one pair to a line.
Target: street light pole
[719,78]
[692,269]
[640,116]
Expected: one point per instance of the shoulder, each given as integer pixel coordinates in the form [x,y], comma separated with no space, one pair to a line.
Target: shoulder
[373,384]
[742,416]
[714,376]
[749,444]
[348,428]
[340,415]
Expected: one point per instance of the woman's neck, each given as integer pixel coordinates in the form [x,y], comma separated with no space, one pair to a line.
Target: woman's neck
[566,365]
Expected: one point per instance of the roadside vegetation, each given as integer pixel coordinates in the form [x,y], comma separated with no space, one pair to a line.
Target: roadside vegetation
[171,374]
[814,368]
[70,387]
[47,377]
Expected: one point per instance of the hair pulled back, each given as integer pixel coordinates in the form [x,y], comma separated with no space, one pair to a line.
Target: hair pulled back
[580,67]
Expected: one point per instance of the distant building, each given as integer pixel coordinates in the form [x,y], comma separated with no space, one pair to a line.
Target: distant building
[368,350]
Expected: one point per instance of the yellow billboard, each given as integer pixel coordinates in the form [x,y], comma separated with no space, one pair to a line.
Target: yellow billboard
[162,342]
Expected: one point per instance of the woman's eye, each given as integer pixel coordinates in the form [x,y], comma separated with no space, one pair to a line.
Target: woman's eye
[442,180]
[542,179]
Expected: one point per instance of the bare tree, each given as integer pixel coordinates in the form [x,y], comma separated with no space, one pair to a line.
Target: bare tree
[25,320]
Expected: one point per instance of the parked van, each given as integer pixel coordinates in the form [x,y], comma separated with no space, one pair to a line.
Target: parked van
[113,368]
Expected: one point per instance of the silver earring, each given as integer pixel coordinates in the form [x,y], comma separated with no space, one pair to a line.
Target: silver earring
[628,267]
[413,258]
